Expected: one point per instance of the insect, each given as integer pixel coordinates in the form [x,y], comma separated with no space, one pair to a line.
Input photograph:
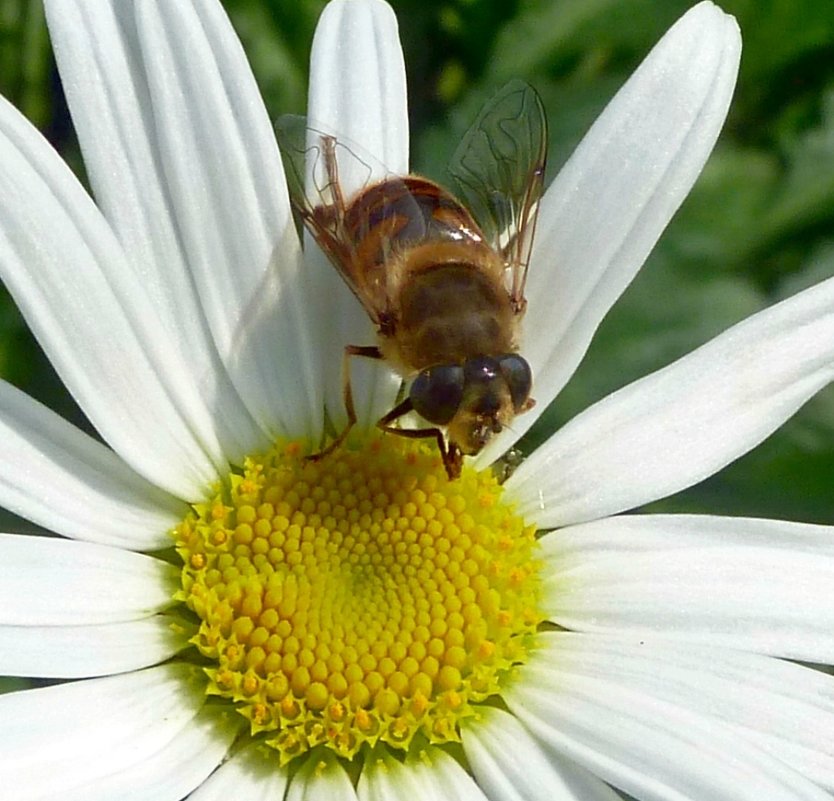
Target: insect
[442,279]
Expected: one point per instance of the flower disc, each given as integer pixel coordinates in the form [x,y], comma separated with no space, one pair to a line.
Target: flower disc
[360,598]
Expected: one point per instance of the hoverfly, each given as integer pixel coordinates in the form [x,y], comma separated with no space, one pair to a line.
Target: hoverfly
[442,280]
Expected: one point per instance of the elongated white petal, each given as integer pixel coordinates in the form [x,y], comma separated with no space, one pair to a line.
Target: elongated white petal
[175,768]
[358,92]
[55,475]
[103,76]
[223,172]
[757,585]
[384,778]
[248,775]
[453,781]
[74,583]
[431,775]
[605,210]
[782,708]
[91,314]
[357,86]
[643,744]
[681,424]
[510,765]
[75,652]
[321,776]
[142,735]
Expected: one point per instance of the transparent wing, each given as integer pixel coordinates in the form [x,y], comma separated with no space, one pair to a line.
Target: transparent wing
[499,169]
[316,165]
[291,133]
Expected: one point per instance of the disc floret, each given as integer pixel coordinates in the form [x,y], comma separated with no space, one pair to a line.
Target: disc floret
[362,598]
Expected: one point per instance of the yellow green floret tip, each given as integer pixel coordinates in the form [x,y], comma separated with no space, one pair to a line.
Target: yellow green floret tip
[358,599]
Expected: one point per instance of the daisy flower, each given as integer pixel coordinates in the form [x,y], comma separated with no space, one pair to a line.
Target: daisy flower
[222,618]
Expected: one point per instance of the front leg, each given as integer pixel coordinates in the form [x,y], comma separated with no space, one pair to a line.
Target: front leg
[451,454]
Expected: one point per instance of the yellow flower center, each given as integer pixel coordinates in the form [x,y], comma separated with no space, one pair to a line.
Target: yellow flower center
[358,599]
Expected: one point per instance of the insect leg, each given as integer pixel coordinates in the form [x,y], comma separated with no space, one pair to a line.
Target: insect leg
[451,455]
[331,168]
[369,352]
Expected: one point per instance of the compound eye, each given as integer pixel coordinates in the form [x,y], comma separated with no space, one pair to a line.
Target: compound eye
[518,376]
[437,391]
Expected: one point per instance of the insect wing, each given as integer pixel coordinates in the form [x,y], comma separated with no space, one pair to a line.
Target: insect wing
[315,162]
[499,169]
[291,133]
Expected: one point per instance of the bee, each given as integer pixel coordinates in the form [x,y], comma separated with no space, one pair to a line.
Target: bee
[442,279]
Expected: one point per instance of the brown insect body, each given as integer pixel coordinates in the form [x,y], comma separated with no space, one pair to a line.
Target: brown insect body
[480,320]
[447,297]
[421,249]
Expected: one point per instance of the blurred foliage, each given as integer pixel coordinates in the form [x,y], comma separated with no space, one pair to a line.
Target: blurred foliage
[758,226]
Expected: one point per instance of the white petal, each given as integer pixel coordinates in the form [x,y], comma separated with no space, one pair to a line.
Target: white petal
[223,172]
[103,76]
[430,775]
[55,582]
[321,776]
[55,475]
[509,765]
[384,778]
[782,708]
[451,779]
[357,86]
[357,91]
[681,424]
[141,735]
[643,744]
[174,769]
[757,585]
[74,652]
[605,210]
[177,767]
[249,775]
[90,312]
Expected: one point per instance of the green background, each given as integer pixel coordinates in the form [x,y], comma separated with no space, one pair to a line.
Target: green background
[757,227]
